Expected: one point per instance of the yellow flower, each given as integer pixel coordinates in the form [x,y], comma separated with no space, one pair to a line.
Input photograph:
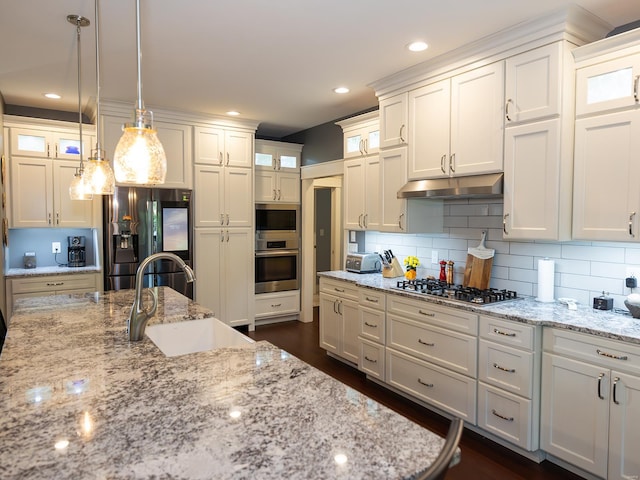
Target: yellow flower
[411,262]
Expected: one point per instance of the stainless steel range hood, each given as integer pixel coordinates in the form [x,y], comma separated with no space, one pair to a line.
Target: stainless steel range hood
[474,186]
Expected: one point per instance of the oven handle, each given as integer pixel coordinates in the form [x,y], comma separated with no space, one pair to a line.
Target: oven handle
[276,253]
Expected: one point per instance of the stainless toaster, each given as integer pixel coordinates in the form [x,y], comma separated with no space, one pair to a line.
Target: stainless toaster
[363,262]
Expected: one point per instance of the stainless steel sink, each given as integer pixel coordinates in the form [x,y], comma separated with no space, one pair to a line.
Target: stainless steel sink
[191,336]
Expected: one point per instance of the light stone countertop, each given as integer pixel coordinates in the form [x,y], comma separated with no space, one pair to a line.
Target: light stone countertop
[607,324]
[47,271]
[69,373]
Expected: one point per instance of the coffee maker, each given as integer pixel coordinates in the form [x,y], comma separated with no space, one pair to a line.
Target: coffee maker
[76,254]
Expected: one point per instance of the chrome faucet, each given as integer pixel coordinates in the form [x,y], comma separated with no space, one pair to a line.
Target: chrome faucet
[139,316]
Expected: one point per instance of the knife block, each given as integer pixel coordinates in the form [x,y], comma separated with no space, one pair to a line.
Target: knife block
[392,271]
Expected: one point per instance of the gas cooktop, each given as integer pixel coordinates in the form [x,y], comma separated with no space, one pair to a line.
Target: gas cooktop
[456,292]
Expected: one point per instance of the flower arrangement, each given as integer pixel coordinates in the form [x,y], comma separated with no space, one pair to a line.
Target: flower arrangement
[411,263]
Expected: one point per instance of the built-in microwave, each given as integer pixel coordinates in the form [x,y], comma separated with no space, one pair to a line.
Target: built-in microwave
[282,217]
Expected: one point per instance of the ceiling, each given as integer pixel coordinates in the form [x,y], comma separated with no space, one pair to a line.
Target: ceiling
[274,61]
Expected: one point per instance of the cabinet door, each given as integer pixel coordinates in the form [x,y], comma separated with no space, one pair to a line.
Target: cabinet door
[31,192]
[350,330]
[207,267]
[67,145]
[330,324]
[608,85]
[533,84]
[574,411]
[606,190]
[429,121]
[532,181]
[394,116]
[209,145]
[176,141]
[624,435]
[266,188]
[288,188]
[209,196]
[237,272]
[238,204]
[31,143]
[371,190]
[354,184]
[238,149]
[69,213]
[288,159]
[477,120]
[393,175]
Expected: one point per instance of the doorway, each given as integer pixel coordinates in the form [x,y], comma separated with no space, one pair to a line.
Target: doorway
[323,234]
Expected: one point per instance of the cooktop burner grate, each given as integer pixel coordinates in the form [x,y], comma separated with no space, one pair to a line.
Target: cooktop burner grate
[456,292]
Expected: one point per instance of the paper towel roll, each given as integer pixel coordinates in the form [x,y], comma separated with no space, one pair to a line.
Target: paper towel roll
[546,272]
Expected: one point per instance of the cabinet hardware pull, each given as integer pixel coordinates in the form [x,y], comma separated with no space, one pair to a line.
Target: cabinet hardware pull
[631,215]
[278,163]
[339,305]
[430,385]
[600,377]
[48,154]
[504,223]
[402,140]
[506,109]
[428,314]
[274,193]
[227,236]
[400,221]
[452,163]
[508,370]
[428,344]
[360,220]
[611,355]
[220,157]
[506,334]
[366,145]
[442,159]
[227,219]
[276,305]
[54,284]
[615,386]
[49,218]
[57,218]
[222,219]
[374,300]
[360,147]
[335,306]
[370,359]
[372,325]
[227,158]
[279,194]
[364,220]
[635,87]
[508,419]
[338,289]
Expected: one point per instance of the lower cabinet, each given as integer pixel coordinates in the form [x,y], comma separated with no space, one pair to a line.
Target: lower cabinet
[277,306]
[339,324]
[224,274]
[590,409]
[372,333]
[25,287]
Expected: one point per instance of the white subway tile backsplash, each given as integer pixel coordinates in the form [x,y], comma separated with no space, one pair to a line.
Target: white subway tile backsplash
[593,253]
[456,222]
[514,261]
[577,267]
[450,243]
[469,210]
[551,250]
[485,222]
[523,275]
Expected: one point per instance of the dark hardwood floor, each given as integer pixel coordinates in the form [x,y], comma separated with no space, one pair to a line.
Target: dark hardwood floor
[482,459]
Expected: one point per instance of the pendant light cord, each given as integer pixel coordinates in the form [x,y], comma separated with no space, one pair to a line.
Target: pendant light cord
[138,43]
[98,144]
[79,94]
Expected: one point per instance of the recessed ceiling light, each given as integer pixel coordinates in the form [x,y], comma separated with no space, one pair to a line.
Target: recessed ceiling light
[419,46]
[341,90]
[53,96]
[233,113]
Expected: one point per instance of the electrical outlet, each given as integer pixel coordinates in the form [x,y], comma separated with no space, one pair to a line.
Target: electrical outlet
[434,256]
[55,247]
[631,272]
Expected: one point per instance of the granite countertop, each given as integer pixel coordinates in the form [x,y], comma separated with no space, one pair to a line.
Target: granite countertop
[608,324]
[69,378]
[47,271]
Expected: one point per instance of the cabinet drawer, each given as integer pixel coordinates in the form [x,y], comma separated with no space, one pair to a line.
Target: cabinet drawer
[442,388]
[53,283]
[271,305]
[507,416]
[372,324]
[450,318]
[514,334]
[371,359]
[506,367]
[339,288]
[449,349]
[601,351]
[372,298]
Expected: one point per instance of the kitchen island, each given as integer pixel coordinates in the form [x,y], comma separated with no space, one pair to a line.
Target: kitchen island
[80,401]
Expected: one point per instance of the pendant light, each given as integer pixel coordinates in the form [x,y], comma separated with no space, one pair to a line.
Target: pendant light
[77,187]
[139,157]
[98,175]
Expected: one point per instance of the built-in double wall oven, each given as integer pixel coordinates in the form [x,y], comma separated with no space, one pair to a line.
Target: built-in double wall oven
[277,264]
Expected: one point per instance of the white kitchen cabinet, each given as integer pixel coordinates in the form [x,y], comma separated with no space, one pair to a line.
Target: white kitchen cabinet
[277,156]
[372,331]
[394,119]
[361,135]
[362,195]
[339,319]
[277,306]
[25,287]
[223,196]
[277,187]
[606,201]
[223,147]
[597,433]
[49,143]
[224,267]
[456,125]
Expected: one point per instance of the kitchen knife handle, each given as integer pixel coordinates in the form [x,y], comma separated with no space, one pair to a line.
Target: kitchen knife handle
[442,159]
[402,140]
[504,223]
[600,377]
[635,87]
[452,163]
[506,109]
[631,224]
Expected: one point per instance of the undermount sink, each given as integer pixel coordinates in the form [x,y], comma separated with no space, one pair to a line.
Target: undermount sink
[192,336]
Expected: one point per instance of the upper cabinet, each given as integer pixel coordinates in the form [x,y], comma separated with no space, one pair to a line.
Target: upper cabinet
[456,124]
[361,136]
[277,156]
[48,143]
[277,172]
[394,119]
[223,147]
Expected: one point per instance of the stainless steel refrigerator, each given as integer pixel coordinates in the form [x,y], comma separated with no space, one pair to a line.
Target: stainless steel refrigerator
[141,221]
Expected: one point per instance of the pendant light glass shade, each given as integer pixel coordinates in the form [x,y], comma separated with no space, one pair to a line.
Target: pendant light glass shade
[139,157]
[78,188]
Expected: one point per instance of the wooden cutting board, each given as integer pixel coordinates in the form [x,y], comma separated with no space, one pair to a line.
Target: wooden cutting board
[477,271]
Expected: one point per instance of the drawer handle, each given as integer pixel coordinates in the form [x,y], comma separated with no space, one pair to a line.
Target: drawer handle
[430,385]
[615,386]
[426,343]
[276,305]
[422,312]
[372,325]
[54,284]
[506,334]
[508,419]
[611,355]
[370,359]
[374,300]
[338,289]
[508,370]
[600,377]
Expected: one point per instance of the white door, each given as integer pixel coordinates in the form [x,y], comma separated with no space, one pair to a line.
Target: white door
[394,116]
[624,434]
[371,190]
[238,204]
[350,330]
[330,324]
[176,142]
[69,213]
[239,149]
[237,276]
[393,175]
[209,196]
[354,184]
[208,145]
[266,189]
[288,187]
[207,268]
[31,192]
